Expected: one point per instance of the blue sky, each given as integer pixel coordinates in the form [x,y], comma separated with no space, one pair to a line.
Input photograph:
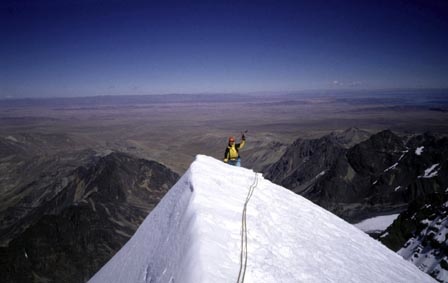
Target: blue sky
[95,47]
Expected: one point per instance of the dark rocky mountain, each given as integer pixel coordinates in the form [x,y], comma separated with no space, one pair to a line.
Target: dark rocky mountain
[420,234]
[64,215]
[379,175]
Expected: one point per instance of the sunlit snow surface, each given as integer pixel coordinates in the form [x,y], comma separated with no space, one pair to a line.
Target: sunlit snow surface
[193,235]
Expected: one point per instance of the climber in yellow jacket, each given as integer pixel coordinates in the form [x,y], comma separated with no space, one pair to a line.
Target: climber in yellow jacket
[232,156]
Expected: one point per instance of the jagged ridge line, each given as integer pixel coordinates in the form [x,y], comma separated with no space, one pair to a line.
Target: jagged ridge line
[243,254]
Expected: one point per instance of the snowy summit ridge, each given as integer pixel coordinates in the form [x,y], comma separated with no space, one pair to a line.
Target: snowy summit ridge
[194,235]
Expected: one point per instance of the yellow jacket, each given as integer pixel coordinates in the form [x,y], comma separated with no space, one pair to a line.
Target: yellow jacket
[232,151]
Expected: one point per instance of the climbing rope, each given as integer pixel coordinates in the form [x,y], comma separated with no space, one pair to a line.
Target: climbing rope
[243,255]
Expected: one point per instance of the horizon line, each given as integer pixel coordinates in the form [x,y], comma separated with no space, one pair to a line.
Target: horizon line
[267,92]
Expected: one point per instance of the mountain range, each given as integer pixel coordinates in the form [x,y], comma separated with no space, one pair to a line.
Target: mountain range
[380,175]
[66,210]
[65,214]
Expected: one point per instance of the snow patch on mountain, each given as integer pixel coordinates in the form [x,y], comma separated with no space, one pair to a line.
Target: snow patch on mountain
[394,166]
[397,188]
[11,138]
[194,235]
[429,258]
[320,174]
[391,167]
[376,224]
[404,153]
[431,171]
[419,150]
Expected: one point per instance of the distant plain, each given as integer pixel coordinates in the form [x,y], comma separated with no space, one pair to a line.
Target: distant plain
[172,129]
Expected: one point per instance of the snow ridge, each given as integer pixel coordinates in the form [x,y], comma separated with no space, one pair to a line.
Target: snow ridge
[194,235]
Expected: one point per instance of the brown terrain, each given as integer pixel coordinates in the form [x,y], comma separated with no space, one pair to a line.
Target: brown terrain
[173,129]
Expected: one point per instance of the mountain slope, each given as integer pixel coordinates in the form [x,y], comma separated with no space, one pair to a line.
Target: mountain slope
[193,235]
[420,233]
[377,176]
[79,225]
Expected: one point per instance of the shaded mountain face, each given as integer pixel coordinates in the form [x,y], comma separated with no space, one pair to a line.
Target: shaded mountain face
[74,212]
[377,176]
[420,233]
[30,166]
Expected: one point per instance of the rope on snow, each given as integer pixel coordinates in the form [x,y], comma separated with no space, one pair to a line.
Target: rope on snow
[243,255]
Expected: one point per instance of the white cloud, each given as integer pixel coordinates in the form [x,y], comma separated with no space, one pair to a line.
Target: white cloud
[347,83]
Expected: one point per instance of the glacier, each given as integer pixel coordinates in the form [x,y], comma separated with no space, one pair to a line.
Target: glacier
[195,235]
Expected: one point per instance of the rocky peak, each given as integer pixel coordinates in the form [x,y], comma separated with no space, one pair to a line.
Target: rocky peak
[305,161]
[377,153]
[351,136]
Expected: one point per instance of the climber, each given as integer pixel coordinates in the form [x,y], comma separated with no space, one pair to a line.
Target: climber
[231,156]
